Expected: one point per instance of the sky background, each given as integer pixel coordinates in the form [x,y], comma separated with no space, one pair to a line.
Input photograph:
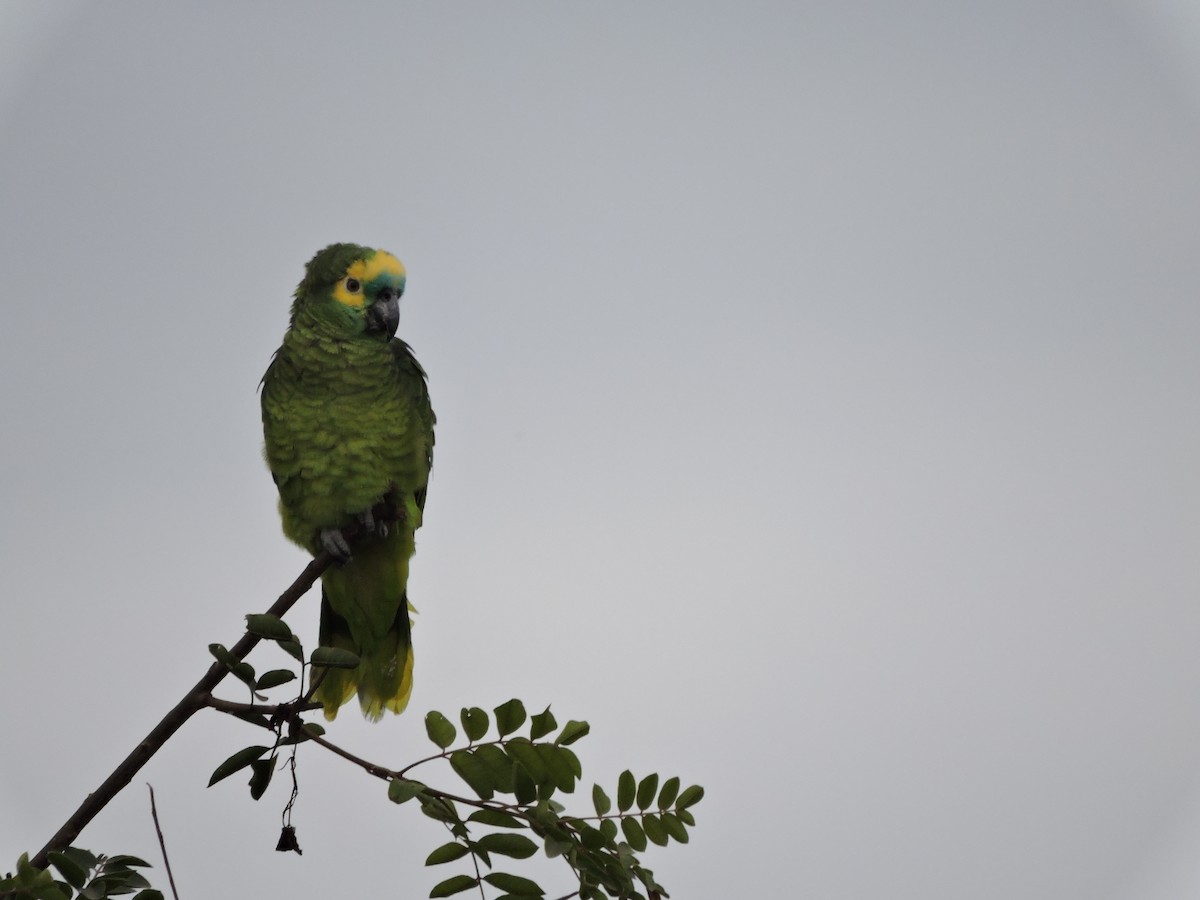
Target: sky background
[816,387]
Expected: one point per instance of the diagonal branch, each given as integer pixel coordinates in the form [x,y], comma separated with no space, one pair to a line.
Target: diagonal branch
[195,699]
[192,701]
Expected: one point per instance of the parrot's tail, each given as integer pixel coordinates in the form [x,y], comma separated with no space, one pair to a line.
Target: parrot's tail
[365,609]
[383,679]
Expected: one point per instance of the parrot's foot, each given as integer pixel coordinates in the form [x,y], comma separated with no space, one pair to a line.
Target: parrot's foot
[335,542]
[369,526]
[367,520]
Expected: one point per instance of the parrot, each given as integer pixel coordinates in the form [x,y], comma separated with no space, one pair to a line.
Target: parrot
[347,425]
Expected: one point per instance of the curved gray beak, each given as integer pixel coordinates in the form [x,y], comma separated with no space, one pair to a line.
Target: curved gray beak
[384,314]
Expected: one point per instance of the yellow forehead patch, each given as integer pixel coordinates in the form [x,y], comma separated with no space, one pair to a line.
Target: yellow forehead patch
[382,262]
[364,271]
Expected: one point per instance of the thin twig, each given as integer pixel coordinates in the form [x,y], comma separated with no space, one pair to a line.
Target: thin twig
[386,774]
[161,843]
[369,767]
[265,709]
[192,701]
[382,772]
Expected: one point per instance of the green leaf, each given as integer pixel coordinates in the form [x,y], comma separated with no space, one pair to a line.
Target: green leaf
[44,888]
[495,818]
[222,655]
[499,766]
[647,878]
[654,829]
[542,724]
[515,845]
[592,838]
[243,671]
[148,894]
[298,735]
[546,812]
[510,716]
[670,790]
[608,828]
[446,853]
[568,755]
[293,649]
[239,760]
[600,800]
[690,797]
[440,729]
[125,861]
[454,885]
[633,833]
[524,787]
[562,774]
[685,816]
[475,723]
[268,626]
[401,790]
[123,881]
[572,732]
[528,759]
[75,875]
[31,882]
[334,658]
[439,809]
[263,770]
[647,788]
[252,718]
[675,827]
[473,771]
[274,678]
[626,788]
[85,859]
[514,884]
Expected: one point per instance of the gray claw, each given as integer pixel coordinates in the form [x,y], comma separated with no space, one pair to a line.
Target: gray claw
[333,541]
[367,521]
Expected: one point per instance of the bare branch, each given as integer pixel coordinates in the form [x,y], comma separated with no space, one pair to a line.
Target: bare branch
[192,701]
[264,709]
[161,843]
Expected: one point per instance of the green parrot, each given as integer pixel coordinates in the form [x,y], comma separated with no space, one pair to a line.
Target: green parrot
[348,425]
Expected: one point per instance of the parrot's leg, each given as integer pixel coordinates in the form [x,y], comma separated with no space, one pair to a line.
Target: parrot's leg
[335,542]
[369,526]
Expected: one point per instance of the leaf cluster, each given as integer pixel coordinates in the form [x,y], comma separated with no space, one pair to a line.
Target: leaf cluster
[532,768]
[262,769]
[273,628]
[517,766]
[84,875]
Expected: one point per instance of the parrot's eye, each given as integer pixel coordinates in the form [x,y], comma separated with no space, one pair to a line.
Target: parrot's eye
[353,285]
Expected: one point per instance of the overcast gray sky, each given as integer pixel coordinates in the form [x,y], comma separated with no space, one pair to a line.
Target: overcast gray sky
[817,411]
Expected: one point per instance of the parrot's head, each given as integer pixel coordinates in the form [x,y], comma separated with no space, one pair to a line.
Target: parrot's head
[352,290]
